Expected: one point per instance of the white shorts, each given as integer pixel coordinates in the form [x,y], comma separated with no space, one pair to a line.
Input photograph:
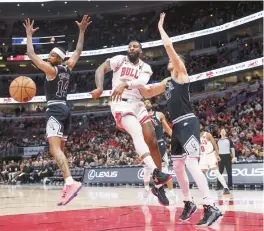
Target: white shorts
[208,161]
[129,107]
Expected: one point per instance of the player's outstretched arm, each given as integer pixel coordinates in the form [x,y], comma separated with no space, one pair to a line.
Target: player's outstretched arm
[77,53]
[174,57]
[155,89]
[42,65]
[164,123]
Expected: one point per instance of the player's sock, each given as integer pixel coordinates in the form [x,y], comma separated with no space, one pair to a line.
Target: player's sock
[179,168]
[200,179]
[220,178]
[146,177]
[150,163]
[69,180]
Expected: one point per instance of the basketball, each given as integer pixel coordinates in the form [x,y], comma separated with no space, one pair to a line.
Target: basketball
[22,89]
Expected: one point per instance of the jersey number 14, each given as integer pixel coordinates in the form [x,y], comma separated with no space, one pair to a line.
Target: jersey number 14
[62,88]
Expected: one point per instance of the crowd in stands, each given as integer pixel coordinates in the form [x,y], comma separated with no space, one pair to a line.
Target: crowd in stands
[118,29]
[95,141]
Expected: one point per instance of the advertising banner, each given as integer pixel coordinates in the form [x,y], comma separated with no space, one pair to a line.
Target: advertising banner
[246,173]
[193,78]
[30,151]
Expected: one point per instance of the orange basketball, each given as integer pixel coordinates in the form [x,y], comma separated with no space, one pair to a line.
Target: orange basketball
[22,89]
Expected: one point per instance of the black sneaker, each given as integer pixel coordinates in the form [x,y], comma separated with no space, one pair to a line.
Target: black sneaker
[159,177]
[226,191]
[211,215]
[160,193]
[189,209]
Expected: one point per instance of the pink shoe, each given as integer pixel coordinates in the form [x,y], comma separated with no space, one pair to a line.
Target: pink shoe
[63,195]
[71,192]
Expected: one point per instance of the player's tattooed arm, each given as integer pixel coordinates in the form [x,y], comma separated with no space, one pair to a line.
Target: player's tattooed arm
[77,53]
[99,78]
[100,72]
[42,65]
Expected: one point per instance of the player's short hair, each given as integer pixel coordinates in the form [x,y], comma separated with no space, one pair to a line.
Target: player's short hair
[140,45]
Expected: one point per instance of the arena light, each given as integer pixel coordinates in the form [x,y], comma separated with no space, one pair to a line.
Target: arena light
[2,65]
[22,65]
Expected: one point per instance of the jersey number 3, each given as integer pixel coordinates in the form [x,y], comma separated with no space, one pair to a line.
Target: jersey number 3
[62,88]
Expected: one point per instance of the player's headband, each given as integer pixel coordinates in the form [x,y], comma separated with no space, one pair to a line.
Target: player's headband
[59,52]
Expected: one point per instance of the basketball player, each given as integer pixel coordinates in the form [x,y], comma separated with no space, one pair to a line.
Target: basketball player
[159,122]
[210,156]
[58,114]
[129,74]
[185,142]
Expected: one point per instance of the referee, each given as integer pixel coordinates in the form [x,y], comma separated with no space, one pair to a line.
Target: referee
[227,155]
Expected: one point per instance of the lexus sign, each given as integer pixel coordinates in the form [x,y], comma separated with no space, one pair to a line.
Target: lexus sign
[246,173]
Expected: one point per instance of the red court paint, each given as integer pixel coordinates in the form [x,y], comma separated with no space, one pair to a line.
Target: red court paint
[129,218]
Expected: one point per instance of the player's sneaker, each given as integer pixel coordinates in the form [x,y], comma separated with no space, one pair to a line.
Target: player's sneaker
[211,215]
[160,193]
[63,194]
[160,178]
[71,191]
[226,191]
[189,209]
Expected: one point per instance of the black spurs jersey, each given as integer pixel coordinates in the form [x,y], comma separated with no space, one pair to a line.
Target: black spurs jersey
[57,88]
[178,98]
[157,125]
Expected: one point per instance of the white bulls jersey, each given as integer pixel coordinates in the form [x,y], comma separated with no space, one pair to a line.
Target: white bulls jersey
[206,145]
[124,70]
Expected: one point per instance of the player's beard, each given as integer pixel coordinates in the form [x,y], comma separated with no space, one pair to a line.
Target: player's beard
[133,57]
[149,109]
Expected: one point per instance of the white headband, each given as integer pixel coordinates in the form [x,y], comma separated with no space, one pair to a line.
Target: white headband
[59,52]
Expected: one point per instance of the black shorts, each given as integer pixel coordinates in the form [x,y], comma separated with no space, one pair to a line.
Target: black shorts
[185,140]
[58,120]
[163,151]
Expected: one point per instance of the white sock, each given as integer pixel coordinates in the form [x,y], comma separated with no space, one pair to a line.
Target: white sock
[146,177]
[200,179]
[69,180]
[147,187]
[182,178]
[150,163]
[220,177]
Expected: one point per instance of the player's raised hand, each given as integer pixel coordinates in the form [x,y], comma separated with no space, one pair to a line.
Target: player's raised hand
[161,21]
[96,93]
[29,27]
[84,23]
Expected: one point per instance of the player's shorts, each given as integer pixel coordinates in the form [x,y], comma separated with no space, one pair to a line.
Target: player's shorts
[58,120]
[208,161]
[163,151]
[129,107]
[185,140]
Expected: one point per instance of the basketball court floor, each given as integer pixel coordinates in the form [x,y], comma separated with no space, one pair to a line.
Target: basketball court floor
[33,208]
